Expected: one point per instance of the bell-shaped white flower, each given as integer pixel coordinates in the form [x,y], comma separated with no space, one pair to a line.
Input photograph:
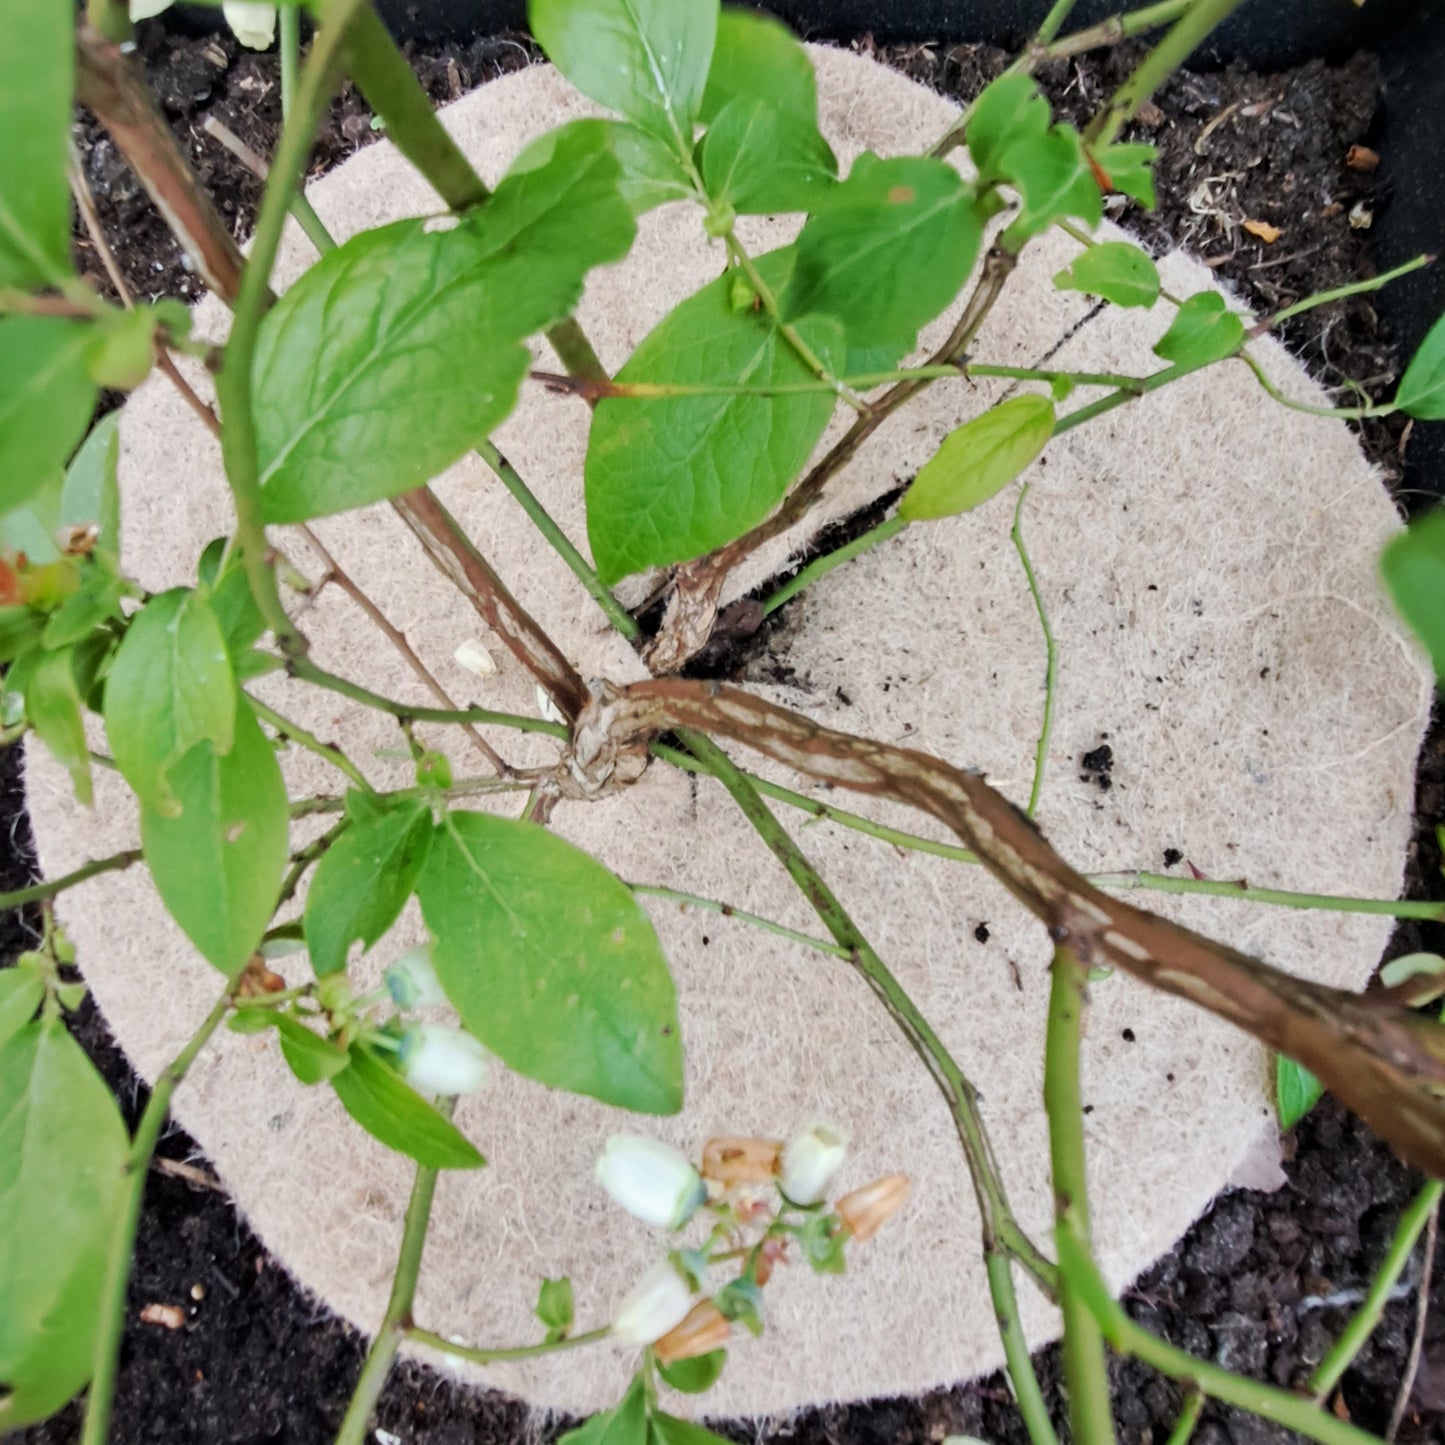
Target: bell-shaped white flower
[651,1180]
[254,25]
[810,1160]
[656,1304]
[412,980]
[436,1059]
[146,9]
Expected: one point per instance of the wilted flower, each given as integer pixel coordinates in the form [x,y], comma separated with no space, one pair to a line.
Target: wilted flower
[741,1161]
[254,25]
[145,9]
[651,1180]
[704,1329]
[412,980]
[439,1060]
[475,658]
[865,1211]
[654,1305]
[810,1161]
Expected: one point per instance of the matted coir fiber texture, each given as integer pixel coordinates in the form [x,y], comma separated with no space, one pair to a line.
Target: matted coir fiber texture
[1208,562]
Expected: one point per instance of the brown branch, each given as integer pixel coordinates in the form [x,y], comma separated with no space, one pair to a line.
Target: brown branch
[459,561]
[336,573]
[1385,1063]
[110,84]
[698,585]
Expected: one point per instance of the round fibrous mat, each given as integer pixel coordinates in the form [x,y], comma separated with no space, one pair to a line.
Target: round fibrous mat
[1207,559]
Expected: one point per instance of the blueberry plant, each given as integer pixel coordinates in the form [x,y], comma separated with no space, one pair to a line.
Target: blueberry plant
[395,354]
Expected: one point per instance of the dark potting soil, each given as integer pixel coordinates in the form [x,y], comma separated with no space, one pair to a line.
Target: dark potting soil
[1264,1282]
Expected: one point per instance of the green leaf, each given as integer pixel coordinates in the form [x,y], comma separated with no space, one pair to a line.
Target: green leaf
[393,1112]
[1054,180]
[1203,330]
[646,59]
[625,1424]
[122,346]
[412,311]
[1296,1091]
[551,963]
[310,1057]
[88,495]
[218,865]
[46,396]
[1421,392]
[227,589]
[52,703]
[823,1239]
[1008,110]
[760,160]
[741,1300]
[887,250]
[37,77]
[362,883]
[1129,166]
[83,613]
[692,1377]
[21,990]
[1115,271]
[669,478]
[62,1157]
[20,629]
[664,1429]
[650,174]
[555,1306]
[757,58]
[1413,565]
[979,459]
[170,687]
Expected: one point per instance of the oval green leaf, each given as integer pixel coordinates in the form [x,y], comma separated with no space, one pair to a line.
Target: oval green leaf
[1054,180]
[669,478]
[217,864]
[1204,330]
[758,57]
[1114,271]
[391,1111]
[551,963]
[1413,565]
[170,687]
[310,1057]
[21,990]
[693,1376]
[52,703]
[646,59]
[1296,1091]
[362,883]
[1421,392]
[760,160]
[1007,111]
[63,1150]
[979,459]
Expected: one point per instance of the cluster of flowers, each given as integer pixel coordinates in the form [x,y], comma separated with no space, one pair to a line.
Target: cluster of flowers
[660,1185]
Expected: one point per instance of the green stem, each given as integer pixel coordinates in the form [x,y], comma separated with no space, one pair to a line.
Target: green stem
[289,44]
[307,671]
[1117,28]
[1180,41]
[239,445]
[1051,665]
[396,1322]
[1053,22]
[306,856]
[1355,288]
[692,900]
[1120,882]
[1000,1229]
[48,888]
[1115,399]
[1362,1325]
[110,1323]
[1086,1376]
[479,1356]
[1294,1412]
[298,734]
[1348,413]
[507,474]
[1027,1394]
[1188,1421]
[821,566]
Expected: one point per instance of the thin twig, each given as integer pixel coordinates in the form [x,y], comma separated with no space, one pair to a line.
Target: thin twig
[39,892]
[206,413]
[1422,1313]
[90,217]
[481,1355]
[336,573]
[1051,664]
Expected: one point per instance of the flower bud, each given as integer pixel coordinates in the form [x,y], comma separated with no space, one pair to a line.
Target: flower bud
[654,1305]
[651,1180]
[253,24]
[475,658]
[865,1211]
[704,1329]
[412,980]
[436,1059]
[741,1161]
[810,1161]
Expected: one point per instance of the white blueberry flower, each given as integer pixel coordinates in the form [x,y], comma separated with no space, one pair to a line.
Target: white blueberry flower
[254,25]
[810,1160]
[412,980]
[657,1303]
[471,654]
[147,9]
[651,1180]
[439,1060]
